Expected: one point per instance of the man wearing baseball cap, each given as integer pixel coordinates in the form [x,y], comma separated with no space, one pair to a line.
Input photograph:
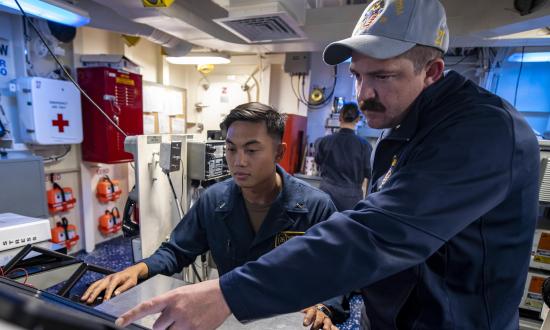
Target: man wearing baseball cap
[443,239]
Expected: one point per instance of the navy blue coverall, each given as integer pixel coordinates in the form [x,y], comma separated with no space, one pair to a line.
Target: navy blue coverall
[344,163]
[219,222]
[443,240]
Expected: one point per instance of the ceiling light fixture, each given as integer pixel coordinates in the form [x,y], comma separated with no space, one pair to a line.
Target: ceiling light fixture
[51,10]
[530,57]
[200,58]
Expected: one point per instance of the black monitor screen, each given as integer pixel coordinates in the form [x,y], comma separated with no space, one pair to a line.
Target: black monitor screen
[31,308]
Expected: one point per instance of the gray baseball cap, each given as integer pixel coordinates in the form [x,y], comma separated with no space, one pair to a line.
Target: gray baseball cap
[389,28]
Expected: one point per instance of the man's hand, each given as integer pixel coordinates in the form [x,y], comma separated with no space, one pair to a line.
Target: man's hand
[120,281]
[317,319]
[192,307]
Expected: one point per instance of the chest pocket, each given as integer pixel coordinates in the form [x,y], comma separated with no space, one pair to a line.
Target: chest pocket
[221,242]
[229,253]
[223,254]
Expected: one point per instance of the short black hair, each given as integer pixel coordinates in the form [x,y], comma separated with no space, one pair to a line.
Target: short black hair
[257,112]
[349,112]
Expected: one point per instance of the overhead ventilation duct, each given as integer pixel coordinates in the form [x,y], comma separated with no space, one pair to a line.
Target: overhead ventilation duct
[107,19]
[171,46]
[264,22]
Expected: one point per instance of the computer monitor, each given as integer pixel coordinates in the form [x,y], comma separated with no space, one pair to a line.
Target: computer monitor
[214,135]
[29,308]
[23,188]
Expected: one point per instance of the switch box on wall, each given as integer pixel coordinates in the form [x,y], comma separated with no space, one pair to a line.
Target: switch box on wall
[297,63]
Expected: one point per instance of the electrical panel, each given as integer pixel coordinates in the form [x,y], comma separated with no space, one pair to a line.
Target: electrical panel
[170,156]
[49,111]
[297,63]
[120,96]
[206,160]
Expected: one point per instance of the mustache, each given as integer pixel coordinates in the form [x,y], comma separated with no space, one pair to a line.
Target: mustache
[371,105]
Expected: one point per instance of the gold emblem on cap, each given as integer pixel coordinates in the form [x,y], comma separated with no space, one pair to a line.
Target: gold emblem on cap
[369,17]
[440,36]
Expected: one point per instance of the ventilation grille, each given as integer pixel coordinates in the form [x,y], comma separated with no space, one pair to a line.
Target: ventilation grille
[275,27]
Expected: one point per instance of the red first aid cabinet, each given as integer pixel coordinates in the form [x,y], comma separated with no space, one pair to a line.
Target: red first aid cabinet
[120,96]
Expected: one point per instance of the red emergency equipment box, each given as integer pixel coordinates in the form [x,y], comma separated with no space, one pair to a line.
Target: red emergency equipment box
[108,190]
[64,232]
[295,132]
[60,200]
[110,223]
[120,96]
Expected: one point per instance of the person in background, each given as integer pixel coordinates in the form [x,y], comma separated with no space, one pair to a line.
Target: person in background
[343,159]
[240,219]
[443,239]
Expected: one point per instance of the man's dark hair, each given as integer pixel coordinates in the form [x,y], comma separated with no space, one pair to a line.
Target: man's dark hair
[349,112]
[420,56]
[257,112]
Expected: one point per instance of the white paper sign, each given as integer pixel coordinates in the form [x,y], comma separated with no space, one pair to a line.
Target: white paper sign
[148,124]
[178,125]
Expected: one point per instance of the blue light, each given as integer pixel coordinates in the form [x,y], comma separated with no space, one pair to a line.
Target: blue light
[51,10]
[530,57]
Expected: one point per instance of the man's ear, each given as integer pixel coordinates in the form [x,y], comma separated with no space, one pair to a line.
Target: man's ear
[281,149]
[434,71]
